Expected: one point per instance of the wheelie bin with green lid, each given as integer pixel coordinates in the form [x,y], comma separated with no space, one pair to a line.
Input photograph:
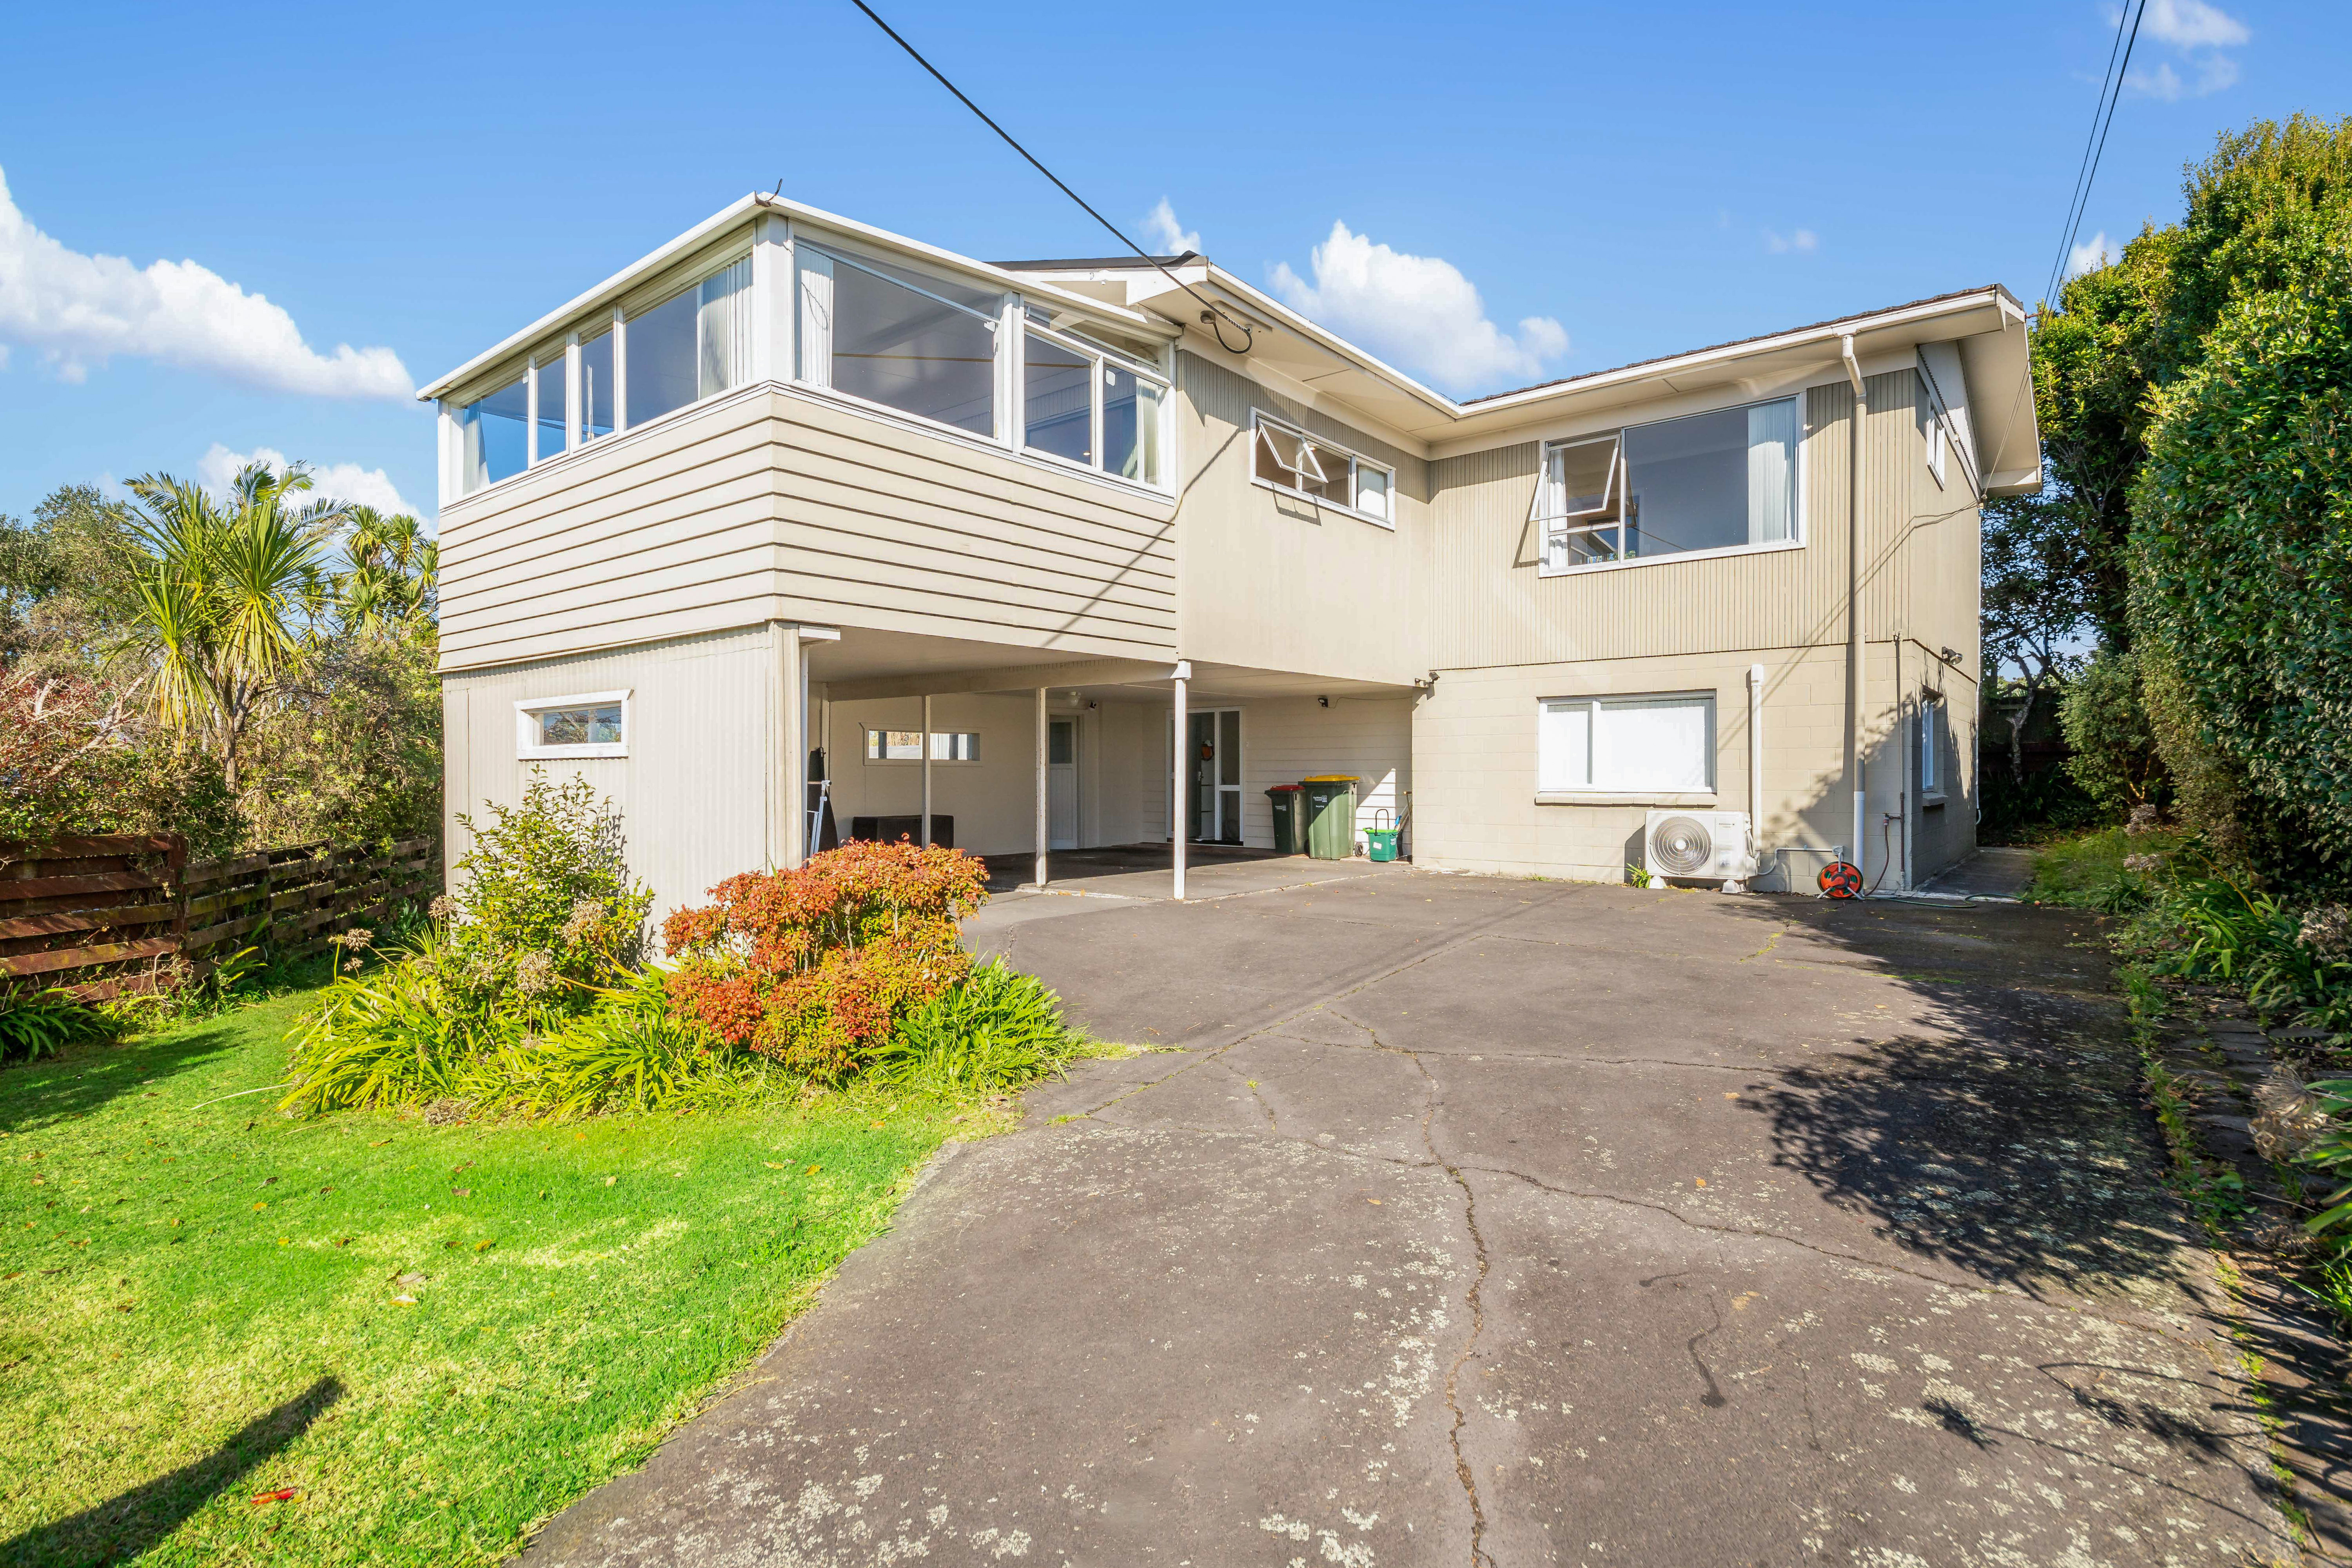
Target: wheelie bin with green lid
[1330,815]
[1286,799]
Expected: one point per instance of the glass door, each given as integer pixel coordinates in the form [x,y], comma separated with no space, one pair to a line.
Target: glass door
[1214,767]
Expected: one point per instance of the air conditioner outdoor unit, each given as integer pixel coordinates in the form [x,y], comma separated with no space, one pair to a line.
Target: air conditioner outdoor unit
[1698,846]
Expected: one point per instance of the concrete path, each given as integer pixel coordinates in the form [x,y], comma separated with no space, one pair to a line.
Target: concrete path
[2000,871]
[1463,1221]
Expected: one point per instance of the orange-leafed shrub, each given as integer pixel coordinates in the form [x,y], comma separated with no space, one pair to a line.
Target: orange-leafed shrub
[815,967]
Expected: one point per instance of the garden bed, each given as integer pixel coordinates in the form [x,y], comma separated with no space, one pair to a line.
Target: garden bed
[429,1337]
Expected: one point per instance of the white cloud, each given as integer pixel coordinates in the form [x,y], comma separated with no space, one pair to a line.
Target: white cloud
[1417,310]
[2091,254]
[2193,25]
[335,482]
[1803,242]
[1171,236]
[79,310]
[2197,33]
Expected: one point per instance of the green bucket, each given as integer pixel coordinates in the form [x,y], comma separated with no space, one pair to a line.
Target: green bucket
[1383,842]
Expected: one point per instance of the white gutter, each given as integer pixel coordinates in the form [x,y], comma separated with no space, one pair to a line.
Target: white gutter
[621,282]
[1853,536]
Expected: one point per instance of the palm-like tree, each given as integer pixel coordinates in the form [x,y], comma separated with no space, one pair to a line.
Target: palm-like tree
[393,575]
[224,595]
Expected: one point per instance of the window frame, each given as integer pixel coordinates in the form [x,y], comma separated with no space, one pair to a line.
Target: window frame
[1260,420]
[1590,794]
[803,246]
[867,750]
[1621,481]
[1929,756]
[1098,355]
[527,709]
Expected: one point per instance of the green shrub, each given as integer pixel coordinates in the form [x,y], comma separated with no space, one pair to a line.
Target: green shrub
[2241,549]
[2113,754]
[43,1023]
[546,907]
[994,1030]
[628,1052]
[395,1036]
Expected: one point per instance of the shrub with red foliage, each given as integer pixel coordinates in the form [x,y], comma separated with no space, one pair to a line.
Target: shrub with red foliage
[814,967]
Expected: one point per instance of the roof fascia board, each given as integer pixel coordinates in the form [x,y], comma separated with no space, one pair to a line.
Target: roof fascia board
[620,283]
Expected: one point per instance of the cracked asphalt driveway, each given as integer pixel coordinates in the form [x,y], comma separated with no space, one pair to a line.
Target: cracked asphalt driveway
[1463,1221]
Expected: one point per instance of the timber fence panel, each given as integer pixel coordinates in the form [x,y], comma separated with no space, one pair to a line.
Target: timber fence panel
[103,915]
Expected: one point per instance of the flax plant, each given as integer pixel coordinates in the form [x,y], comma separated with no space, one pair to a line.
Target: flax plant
[223,591]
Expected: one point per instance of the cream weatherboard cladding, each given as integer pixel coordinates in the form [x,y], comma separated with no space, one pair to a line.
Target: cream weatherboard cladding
[774,504]
[1273,582]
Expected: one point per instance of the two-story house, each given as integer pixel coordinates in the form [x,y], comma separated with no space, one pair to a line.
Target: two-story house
[1049,549]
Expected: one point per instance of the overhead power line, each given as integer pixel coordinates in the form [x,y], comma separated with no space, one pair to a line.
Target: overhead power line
[2102,116]
[1212,314]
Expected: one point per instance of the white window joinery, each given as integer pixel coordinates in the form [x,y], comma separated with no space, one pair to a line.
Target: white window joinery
[907,746]
[1615,745]
[1703,483]
[626,371]
[1088,406]
[909,340]
[595,725]
[1287,459]
[1931,748]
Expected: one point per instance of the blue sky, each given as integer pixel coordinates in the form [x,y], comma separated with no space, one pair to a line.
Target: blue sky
[1490,194]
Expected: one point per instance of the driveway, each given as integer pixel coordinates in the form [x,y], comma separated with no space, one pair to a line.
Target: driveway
[1463,1221]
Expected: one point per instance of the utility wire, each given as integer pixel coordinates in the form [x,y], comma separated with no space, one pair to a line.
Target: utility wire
[1212,313]
[2111,92]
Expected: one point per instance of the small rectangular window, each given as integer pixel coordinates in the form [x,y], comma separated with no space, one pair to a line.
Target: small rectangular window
[1931,749]
[1626,744]
[595,725]
[1293,460]
[496,432]
[906,746]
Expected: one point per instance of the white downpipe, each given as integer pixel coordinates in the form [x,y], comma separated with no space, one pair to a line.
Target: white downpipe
[1178,754]
[1045,808]
[1853,536]
[1755,751]
[923,839]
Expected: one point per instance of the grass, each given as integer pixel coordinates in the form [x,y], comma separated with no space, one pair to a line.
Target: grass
[433,1336]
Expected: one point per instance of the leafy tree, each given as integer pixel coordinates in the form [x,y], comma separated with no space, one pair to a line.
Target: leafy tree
[2034,602]
[2113,752]
[221,595]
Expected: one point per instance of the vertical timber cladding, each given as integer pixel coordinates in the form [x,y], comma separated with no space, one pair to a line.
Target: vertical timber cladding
[1491,607]
[700,752]
[1275,582]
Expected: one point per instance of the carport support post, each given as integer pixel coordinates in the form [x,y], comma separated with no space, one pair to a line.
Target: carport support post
[924,840]
[1045,817]
[1178,754]
[787,819]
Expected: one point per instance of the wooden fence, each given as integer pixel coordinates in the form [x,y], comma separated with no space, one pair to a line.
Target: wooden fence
[125,912]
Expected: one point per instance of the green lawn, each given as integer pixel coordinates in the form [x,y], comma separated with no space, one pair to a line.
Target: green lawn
[435,1335]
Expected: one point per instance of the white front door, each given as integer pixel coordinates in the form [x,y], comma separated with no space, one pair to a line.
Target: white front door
[1062,783]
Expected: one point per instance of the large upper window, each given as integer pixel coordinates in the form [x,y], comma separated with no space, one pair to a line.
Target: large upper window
[1288,458]
[1638,745]
[596,387]
[908,341]
[1709,481]
[691,346]
[1088,406]
[549,420]
[496,433]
